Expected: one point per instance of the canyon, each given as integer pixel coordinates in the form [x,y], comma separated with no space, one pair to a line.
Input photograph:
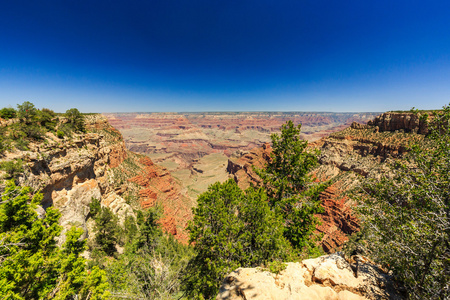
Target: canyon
[71,171]
[198,149]
[183,160]
[195,147]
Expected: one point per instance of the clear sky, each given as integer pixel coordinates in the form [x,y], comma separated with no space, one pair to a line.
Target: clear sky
[189,55]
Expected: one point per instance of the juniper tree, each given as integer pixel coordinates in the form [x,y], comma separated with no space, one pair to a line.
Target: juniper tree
[231,229]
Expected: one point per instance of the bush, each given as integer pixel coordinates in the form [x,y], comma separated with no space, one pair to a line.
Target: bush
[26,111]
[12,168]
[75,119]
[107,231]
[94,207]
[231,229]
[32,265]
[46,118]
[7,113]
[60,134]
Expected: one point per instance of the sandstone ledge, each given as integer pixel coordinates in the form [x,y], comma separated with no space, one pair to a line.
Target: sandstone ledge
[326,277]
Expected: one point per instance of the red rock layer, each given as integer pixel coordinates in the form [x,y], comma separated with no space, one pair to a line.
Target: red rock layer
[159,188]
[337,220]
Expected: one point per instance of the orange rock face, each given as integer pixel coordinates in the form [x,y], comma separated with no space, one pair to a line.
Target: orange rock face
[159,188]
[337,219]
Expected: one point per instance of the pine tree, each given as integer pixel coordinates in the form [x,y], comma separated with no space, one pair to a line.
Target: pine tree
[289,187]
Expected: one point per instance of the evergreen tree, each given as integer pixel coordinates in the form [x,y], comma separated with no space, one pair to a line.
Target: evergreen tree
[289,187]
[75,119]
[231,228]
[7,113]
[31,265]
[107,231]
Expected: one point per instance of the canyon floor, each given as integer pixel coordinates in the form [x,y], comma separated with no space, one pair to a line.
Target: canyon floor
[195,147]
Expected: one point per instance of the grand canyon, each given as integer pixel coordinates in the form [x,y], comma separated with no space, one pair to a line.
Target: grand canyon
[195,147]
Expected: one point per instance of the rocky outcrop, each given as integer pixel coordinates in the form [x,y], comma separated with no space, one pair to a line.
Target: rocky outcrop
[337,221]
[70,172]
[326,277]
[158,187]
[407,121]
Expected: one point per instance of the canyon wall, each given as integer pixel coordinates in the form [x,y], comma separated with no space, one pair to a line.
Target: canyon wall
[71,171]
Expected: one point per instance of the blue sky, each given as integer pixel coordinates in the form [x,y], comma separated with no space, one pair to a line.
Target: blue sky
[120,56]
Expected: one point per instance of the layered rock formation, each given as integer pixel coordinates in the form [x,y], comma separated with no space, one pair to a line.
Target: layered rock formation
[327,277]
[194,146]
[71,172]
[407,121]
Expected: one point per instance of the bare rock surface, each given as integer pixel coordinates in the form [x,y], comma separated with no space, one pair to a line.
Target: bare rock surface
[326,277]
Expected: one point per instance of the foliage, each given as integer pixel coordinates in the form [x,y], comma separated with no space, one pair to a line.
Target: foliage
[94,207]
[34,124]
[231,228]
[46,118]
[26,111]
[28,130]
[149,233]
[60,134]
[151,265]
[31,265]
[276,267]
[406,217]
[12,168]
[289,186]
[75,119]
[107,231]
[7,113]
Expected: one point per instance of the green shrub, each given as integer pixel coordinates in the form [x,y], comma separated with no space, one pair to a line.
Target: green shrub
[75,119]
[46,117]
[60,134]
[276,267]
[26,111]
[107,231]
[12,168]
[231,229]
[94,207]
[22,144]
[7,113]
[32,265]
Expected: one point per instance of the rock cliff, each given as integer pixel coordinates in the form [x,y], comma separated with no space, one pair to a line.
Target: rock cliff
[327,277]
[407,121]
[72,171]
